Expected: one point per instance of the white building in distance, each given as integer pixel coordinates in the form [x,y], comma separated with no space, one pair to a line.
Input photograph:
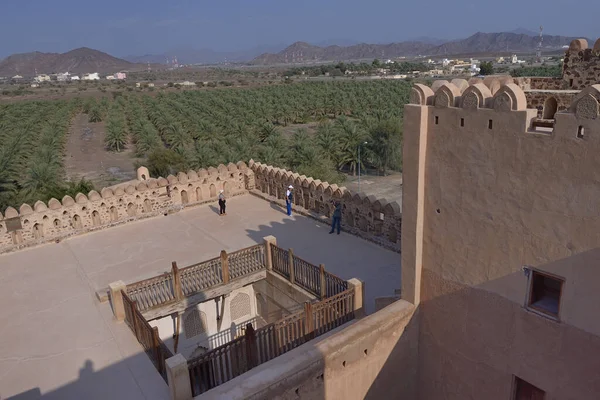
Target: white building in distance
[42,78]
[91,77]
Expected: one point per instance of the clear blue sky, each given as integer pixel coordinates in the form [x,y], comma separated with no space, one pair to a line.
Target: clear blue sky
[153,26]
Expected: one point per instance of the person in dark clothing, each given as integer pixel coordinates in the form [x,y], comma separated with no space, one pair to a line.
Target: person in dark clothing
[337,218]
[222,203]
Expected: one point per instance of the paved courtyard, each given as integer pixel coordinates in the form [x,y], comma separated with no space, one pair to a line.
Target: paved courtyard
[58,342]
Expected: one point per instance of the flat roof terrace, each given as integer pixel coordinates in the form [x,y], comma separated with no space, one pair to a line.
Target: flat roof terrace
[58,341]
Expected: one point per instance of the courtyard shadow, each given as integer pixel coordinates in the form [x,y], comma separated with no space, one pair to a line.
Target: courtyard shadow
[132,378]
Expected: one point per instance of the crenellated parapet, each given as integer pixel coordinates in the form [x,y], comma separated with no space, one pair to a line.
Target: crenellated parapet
[484,104]
[499,93]
[366,216]
[142,198]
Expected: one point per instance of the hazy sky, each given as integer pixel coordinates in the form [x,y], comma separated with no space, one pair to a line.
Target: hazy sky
[126,27]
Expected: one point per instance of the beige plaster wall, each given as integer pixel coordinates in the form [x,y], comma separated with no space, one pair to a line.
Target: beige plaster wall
[366,216]
[372,358]
[60,219]
[472,341]
[496,199]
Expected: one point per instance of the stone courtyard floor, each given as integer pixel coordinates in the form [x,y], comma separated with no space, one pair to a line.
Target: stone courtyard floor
[58,342]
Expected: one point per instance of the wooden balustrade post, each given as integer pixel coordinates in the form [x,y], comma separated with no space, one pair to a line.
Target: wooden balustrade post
[291,264]
[176,335]
[309,324]
[156,346]
[268,240]
[176,282]
[225,266]
[323,282]
[136,329]
[251,347]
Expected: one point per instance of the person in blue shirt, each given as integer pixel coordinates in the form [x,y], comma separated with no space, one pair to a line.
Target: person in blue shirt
[289,198]
[337,218]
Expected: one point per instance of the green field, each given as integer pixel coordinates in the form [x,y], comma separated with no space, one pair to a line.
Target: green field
[192,129]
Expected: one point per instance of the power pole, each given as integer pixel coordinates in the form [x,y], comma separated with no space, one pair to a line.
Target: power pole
[538,53]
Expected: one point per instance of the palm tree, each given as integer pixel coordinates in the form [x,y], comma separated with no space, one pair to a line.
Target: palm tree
[352,137]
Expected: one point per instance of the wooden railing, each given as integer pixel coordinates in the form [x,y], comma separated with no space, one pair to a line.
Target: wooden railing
[334,284]
[179,283]
[307,275]
[198,277]
[147,335]
[280,261]
[333,312]
[314,279]
[246,261]
[256,347]
[152,292]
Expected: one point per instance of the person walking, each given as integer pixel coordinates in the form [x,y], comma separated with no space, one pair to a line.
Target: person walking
[289,197]
[222,203]
[337,218]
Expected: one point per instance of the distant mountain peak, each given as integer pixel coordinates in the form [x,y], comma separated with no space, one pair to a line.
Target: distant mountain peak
[80,60]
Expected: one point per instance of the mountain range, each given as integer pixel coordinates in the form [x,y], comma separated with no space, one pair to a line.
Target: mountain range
[84,59]
[77,61]
[479,43]
[204,56]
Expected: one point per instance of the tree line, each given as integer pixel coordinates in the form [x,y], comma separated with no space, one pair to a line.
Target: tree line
[314,128]
[193,129]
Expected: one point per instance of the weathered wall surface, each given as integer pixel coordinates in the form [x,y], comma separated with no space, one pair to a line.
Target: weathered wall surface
[581,67]
[61,219]
[365,216]
[494,198]
[373,358]
[538,100]
[541,83]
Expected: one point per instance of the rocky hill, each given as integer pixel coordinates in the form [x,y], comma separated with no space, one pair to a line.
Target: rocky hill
[478,43]
[500,42]
[78,61]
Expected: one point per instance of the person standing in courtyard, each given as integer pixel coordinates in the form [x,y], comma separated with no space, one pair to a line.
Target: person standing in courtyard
[337,218]
[222,203]
[289,197]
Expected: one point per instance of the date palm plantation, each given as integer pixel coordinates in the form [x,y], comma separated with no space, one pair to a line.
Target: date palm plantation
[195,129]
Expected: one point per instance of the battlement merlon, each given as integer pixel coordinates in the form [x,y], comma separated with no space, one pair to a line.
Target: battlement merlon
[579,45]
[505,105]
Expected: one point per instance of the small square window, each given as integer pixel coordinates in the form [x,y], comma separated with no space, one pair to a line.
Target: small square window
[580,132]
[437,120]
[462,122]
[544,293]
[524,390]
[490,124]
